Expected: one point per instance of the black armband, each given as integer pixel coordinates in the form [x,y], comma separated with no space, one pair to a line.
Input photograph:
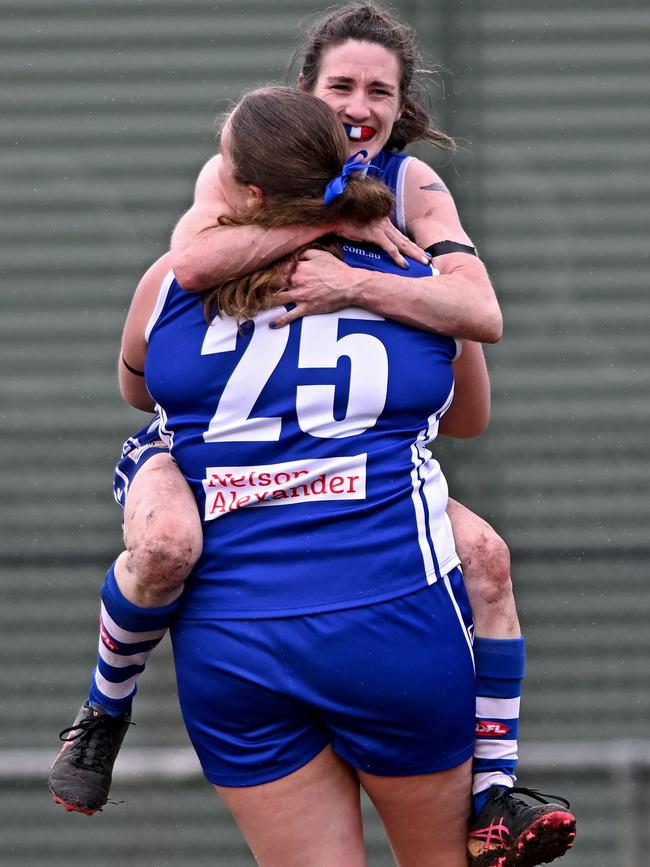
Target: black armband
[443,247]
[131,369]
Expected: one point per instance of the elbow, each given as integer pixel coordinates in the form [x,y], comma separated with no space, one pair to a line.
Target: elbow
[188,274]
[137,396]
[470,429]
[143,402]
[477,428]
[492,325]
[146,404]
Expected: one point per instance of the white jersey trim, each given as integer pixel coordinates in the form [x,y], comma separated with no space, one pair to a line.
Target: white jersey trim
[160,303]
[427,482]
[400,214]
[466,635]
[166,433]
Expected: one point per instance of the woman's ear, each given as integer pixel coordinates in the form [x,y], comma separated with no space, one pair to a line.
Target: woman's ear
[254,196]
[301,82]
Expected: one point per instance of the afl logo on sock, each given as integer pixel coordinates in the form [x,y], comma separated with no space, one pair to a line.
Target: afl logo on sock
[107,641]
[487,729]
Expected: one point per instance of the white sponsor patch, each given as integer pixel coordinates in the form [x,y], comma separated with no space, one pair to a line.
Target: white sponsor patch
[311,480]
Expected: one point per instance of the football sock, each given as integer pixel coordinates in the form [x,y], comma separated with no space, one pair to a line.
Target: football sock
[500,665]
[127,635]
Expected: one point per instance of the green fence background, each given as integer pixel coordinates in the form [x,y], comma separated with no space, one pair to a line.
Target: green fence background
[107,107]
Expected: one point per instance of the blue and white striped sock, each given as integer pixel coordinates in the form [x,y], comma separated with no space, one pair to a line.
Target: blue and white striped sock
[127,635]
[500,667]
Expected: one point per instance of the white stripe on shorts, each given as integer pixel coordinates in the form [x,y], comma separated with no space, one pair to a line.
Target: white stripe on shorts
[460,617]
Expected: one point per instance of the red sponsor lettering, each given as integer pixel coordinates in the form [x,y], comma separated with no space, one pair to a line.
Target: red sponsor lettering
[490,729]
[107,641]
[218,481]
[218,504]
[319,485]
[231,488]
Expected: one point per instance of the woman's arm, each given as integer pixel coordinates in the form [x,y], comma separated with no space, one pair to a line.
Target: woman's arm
[133,351]
[205,253]
[464,293]
[469,413]
[460,302]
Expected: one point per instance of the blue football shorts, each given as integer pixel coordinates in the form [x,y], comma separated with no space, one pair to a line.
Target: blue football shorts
[136,451]
[390,686]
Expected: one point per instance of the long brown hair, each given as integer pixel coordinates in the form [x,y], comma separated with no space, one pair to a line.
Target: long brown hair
[290,145]
[243,297]
[366,22]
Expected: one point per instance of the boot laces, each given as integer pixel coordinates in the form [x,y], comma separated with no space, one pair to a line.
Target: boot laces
[92,741]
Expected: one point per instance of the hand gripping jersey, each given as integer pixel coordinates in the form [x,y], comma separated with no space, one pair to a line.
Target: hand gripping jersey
[305,449]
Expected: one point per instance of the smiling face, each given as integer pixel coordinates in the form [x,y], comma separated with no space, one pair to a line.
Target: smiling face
[360,81]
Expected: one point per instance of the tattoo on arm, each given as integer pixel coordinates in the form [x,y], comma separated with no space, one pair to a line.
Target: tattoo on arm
[436,187]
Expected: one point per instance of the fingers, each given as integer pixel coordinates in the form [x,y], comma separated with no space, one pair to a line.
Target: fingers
[290,316]
[307,255]
[385,235]
[392,249]
[407,247]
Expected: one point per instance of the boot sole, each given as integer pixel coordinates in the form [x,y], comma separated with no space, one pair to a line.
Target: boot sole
[550,837]
[73,808]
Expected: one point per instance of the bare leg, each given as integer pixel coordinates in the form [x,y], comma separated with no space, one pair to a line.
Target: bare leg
[310,818]
[425,816]
[162,533]
[486,567]
[163,538]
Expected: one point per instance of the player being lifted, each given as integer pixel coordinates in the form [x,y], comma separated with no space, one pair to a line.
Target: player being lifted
[361,62]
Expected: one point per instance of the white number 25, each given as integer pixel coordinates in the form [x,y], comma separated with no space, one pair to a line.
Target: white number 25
[319,348]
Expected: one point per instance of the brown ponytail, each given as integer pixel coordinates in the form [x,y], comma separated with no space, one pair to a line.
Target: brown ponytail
[290,145]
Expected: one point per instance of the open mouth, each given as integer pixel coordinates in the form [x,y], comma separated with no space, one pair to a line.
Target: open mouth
[359,133]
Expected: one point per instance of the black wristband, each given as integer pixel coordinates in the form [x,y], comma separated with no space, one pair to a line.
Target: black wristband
[443,247]
[131,369]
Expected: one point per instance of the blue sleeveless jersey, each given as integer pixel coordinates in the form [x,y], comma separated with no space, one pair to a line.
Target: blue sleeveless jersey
[305,449]
[390,167]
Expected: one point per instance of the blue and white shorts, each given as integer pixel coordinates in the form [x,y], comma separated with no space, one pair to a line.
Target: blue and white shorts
[390,686]
[136,451]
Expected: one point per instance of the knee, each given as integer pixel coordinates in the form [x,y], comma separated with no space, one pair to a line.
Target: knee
[163,556]
[487,565]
